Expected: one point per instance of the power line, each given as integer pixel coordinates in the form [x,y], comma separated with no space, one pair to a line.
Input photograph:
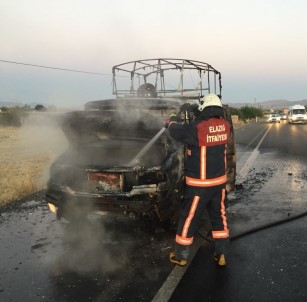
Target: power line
[56,68]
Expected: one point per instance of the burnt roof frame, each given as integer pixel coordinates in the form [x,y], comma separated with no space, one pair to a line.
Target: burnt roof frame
[159,67]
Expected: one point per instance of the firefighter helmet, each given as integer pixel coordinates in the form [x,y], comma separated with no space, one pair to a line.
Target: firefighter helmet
[210,99]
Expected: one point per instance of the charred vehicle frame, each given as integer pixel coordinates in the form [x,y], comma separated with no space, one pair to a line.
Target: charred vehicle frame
[120,159]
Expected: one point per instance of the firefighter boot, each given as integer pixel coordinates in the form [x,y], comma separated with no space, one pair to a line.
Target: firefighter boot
[175,260]
[220,259]
[180,255]
[221,249]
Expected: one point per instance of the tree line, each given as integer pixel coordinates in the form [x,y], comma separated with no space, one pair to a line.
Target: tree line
[247,112]
[14,116]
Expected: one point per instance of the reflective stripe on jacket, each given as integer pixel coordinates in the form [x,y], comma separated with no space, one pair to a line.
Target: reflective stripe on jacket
[206,153]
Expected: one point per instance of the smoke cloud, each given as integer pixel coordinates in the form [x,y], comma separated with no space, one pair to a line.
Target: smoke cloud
[90,247]
[41,141]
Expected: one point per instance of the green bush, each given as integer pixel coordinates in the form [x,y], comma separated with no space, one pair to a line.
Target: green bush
[247,112]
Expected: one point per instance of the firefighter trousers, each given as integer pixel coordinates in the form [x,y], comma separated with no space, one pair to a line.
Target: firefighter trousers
[196,200]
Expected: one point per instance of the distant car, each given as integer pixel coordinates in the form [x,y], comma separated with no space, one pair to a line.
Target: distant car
[283,116]
[104,171]
[274,118]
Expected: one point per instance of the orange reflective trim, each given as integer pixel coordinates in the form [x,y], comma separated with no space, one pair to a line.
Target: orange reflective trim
[224,233]
[190,216]
[183,240]
[203,154]
[195,182]
[223,210]
[220,234]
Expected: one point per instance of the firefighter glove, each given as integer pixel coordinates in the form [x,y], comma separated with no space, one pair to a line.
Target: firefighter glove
[172,118]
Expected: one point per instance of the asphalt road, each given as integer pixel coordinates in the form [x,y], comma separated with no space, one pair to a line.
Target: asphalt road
[111,259]
[43,259]
[269,265]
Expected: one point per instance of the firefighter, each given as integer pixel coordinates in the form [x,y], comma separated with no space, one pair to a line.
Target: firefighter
[205,175]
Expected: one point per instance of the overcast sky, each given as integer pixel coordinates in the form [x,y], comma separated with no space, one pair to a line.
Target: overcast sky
[260,47]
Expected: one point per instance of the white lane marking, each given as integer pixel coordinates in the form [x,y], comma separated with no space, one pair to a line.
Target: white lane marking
[250,161]
[246,147]
[173,279]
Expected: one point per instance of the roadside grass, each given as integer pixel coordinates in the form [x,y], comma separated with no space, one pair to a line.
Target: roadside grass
[21,178]
[25,157]
[18,188]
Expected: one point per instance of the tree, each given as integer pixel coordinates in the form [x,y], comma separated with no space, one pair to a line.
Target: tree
[39,107]
[247,112]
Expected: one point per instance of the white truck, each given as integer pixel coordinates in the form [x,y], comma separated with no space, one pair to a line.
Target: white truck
[297,114]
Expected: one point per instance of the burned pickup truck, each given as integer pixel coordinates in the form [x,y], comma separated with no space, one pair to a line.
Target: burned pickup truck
[120,158]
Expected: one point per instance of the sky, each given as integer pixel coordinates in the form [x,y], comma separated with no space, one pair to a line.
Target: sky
[260,47]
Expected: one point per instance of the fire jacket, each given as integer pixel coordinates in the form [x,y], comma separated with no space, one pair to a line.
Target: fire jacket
[206,141]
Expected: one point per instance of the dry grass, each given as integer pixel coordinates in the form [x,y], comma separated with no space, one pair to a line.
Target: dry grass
[25,156]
